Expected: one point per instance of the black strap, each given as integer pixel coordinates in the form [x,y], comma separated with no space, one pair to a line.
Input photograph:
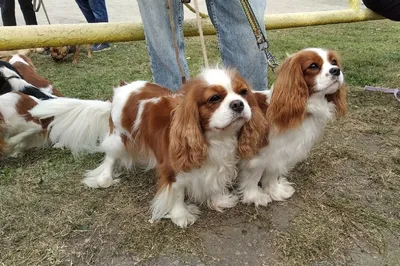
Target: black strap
[262,41]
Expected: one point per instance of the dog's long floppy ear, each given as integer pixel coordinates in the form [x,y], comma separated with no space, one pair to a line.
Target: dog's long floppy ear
[339,98]
[289,96]
[187,147]
[254,133]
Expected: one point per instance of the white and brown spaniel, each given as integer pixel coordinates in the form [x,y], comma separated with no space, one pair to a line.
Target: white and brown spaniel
[194,138]
[18,129]
[308,92]
[27,71]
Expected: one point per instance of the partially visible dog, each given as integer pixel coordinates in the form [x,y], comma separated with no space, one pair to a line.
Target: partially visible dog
[61,52]
[18,129]
[27,69]
[12,80]
[194,138]
[309,91]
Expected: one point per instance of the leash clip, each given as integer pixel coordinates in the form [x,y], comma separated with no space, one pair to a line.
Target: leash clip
[272,62]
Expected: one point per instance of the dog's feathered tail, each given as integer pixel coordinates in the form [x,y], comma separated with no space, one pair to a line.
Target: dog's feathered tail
[79,125]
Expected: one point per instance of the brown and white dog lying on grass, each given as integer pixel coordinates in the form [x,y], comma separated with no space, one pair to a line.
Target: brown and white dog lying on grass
[18,129]
[27,70]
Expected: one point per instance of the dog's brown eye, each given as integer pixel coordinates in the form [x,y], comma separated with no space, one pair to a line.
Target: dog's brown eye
[214,98]
[334,62]
[313,66]
[243,92]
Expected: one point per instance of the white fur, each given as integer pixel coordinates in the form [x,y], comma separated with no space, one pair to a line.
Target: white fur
[16,58]
[121,95]
[48,90]
[79,125]
[208,184]
[141,107]
[286,149]
[20,134]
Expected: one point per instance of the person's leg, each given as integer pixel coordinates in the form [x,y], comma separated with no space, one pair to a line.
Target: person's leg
[99,10]
[8,13]
[388,8]
[237,43]
[160,43]
[86,10]
[28,12]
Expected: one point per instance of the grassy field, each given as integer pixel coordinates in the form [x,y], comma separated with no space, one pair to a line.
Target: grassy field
[346,210]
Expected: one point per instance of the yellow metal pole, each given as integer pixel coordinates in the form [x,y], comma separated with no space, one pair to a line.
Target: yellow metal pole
[354,4]
[20,37]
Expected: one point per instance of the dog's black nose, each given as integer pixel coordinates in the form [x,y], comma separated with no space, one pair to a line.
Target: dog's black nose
[335,71]
[237,106]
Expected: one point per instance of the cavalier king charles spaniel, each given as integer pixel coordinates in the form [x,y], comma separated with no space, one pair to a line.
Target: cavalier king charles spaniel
[308,92]
[194,138]
[18,129]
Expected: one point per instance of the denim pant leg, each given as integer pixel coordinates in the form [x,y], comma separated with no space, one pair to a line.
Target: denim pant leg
[99,10]
[8,13]
[237,43]
[160,44]
[86,10]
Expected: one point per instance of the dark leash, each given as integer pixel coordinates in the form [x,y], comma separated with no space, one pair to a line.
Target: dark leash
[12,77]
[262,41]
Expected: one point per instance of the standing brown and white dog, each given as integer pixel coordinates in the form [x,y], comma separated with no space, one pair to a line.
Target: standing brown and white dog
[193,138]
[309,91]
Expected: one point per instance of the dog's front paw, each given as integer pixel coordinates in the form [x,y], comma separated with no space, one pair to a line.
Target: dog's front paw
[184,217]
[257,196]
[219,202]
[280,190]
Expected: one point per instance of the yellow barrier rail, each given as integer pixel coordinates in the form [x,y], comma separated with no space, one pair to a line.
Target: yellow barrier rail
[73,34]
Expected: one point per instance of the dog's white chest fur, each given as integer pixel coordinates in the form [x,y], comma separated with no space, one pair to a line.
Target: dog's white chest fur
[288,148]
[218,170]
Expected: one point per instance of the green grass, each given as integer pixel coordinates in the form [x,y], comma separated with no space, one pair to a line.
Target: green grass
[346,210]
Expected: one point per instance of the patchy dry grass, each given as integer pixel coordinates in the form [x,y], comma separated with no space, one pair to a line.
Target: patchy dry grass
[346,210]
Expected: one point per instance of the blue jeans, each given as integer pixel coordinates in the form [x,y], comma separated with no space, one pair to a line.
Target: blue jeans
[237,43]
[93,10]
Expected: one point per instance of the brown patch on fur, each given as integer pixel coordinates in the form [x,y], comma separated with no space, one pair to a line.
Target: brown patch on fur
[24,105]
[152,138]
[339,98]
[292,88]
[261,99]
[3,144]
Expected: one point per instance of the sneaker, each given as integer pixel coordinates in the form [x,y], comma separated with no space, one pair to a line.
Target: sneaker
[101,47]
